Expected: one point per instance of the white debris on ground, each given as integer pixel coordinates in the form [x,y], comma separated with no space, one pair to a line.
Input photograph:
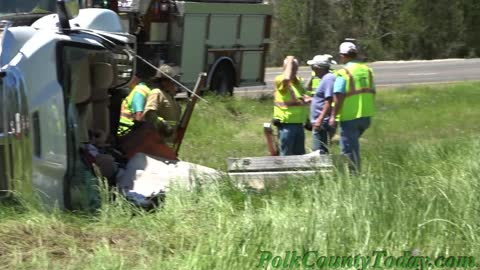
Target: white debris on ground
[148,176]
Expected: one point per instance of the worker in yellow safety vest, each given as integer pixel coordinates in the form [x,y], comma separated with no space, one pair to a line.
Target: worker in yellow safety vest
[290,111]
[133,106]
[354,95]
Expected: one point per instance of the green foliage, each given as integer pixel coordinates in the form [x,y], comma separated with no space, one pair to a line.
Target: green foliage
[219,128]
[418,191]
[385,29]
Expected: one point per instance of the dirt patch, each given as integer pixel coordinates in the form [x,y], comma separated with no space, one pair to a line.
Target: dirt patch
[21,242]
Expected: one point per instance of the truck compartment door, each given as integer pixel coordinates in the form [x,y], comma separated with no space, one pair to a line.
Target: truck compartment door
[223,31]
[252,66]
[252,37]
[252,30]
[193,49]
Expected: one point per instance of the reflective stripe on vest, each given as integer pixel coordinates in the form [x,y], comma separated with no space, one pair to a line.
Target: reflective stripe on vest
[359,92]
[292,101]
[126,114]
[288,106]
[126,110]
[353,90]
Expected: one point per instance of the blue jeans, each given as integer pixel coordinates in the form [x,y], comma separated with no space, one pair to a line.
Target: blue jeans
[350,133]
[321,138]
[292,139]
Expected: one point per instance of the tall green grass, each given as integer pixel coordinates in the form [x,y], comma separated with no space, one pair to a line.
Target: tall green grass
[418,191]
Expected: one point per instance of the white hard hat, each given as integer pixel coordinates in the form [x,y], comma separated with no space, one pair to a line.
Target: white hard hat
[347,47]
[324,60]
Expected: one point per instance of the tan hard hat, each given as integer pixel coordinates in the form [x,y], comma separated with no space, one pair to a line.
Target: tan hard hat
[323,60]
[166,71]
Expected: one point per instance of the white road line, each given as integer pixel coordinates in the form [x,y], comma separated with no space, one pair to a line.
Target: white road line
[422,74]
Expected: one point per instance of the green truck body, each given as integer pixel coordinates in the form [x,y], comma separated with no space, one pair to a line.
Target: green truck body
[227,40]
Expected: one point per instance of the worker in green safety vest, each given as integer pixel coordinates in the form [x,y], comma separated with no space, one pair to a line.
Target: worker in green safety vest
[290,111]
[354,94]
[133,106]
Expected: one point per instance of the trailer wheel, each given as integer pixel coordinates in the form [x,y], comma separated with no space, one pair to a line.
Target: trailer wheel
[223,80]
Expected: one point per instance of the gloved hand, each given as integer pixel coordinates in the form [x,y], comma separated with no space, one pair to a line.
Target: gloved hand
[163,127]
[276,122]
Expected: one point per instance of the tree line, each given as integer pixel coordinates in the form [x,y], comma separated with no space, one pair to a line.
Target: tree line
[384,29]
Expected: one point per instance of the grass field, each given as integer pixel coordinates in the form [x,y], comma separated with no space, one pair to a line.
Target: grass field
[419,191]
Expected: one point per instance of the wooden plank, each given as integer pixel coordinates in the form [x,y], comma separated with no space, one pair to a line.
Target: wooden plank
[279,163]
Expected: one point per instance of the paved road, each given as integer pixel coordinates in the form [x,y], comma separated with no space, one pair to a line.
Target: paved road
[396,73]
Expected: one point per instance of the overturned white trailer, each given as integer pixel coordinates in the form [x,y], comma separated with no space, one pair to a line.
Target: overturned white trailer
[59,79]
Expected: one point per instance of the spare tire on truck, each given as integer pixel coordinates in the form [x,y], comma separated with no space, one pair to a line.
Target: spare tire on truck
[223,79]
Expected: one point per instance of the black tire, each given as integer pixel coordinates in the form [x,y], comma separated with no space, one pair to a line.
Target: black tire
[223,80]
